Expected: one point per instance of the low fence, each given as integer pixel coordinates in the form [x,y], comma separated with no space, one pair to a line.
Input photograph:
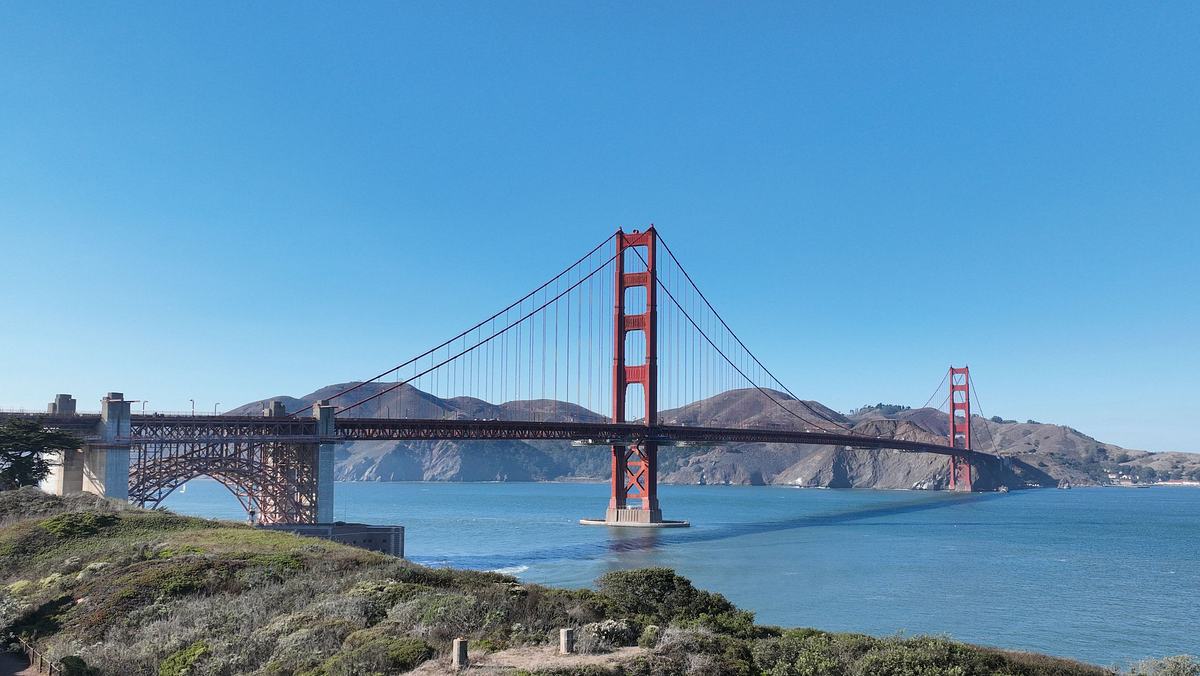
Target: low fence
[39,661]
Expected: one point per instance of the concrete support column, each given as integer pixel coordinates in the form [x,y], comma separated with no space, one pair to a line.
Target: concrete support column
[326,429]
[66,476]
[63,404]
[66,471]
[106,471]
[106,462]
[325,483]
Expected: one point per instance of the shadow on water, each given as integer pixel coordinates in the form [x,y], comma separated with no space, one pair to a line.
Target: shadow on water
[624,540]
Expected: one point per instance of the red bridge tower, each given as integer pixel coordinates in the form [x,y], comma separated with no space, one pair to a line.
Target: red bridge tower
[634,482]
[960,427]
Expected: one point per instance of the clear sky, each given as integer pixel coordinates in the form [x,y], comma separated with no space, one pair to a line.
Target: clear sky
[227,201]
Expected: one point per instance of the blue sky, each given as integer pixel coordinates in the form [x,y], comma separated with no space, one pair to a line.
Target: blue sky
[226,201]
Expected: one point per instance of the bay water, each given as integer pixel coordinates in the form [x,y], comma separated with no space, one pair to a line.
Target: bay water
[1105,575]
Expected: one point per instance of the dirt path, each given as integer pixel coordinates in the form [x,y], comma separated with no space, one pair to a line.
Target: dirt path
[12,664]
[508,661]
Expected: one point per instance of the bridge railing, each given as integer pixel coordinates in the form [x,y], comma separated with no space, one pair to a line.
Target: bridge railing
[42,411]
[197,413]
[135,409]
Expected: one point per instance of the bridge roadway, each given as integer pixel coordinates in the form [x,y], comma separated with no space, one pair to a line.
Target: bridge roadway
[201,429]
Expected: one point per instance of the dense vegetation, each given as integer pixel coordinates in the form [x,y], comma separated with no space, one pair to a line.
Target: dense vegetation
[107,588]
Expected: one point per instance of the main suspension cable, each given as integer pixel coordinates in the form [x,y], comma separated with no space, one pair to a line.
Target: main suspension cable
[430,351]
[975,394]
[718,350]
[936,389]
[502,332]
[740,342]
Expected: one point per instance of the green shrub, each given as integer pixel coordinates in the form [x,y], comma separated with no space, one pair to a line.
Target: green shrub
[658,594]
[1179,665]
[168,552]
[919,657]
[181,662]
[649,636]
[78,524]
[46,618]
[485,645]
[798,652]
[371,651]
[807,652]
[604,636]
[737,623]
[263,569]
[112,598]
[73,665]
[698,652]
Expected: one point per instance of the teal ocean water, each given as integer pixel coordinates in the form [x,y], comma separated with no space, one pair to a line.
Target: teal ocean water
[1105,575]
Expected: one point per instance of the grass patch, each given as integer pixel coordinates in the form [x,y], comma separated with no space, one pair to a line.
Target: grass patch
[180,663]
[78,524]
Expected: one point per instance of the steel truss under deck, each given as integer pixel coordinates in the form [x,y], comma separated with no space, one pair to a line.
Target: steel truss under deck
[275,481]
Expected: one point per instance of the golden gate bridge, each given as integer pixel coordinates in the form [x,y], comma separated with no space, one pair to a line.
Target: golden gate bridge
[621,349]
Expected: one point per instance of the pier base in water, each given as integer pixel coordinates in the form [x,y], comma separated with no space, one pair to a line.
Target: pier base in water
[634,518]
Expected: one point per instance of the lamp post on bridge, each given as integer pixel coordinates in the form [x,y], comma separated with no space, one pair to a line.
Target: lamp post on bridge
[215,407]
[193,407]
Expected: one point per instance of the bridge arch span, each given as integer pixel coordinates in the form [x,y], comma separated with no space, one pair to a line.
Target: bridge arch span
[152,493]
[276,482]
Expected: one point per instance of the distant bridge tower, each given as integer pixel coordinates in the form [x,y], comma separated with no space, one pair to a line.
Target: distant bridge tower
[960,427]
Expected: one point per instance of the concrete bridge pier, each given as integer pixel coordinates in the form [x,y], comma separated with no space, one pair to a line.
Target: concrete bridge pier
[106,460]
[63,404]
[66,476]
[101,466]
[324,413]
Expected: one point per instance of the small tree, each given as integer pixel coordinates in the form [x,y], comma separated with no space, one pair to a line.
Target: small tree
[24,447]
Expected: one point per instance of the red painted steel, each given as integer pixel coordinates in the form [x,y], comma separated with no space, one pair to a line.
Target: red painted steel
[635,467]
[960,427]
[276,479]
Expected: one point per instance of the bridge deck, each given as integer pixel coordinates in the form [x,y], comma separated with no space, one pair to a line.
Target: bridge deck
[149,429]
